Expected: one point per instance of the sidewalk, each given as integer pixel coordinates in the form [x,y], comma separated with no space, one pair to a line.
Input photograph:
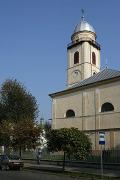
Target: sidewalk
[54,168]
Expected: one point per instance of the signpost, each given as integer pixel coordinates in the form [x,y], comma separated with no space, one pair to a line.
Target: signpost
[101,142]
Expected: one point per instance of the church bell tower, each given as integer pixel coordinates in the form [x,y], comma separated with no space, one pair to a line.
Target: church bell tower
[83,54]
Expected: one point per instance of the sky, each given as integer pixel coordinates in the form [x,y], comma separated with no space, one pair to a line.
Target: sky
[33,41]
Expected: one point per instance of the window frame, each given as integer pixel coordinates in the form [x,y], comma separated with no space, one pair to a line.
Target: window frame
[76,57]
[109,107]
[68,113]
[93,58]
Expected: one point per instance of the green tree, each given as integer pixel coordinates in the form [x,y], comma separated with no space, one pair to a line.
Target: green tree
[47,128]
[5,135]
[19,110]
[16,103]
[71,141]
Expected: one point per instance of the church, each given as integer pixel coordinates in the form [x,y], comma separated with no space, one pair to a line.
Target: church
[91,101]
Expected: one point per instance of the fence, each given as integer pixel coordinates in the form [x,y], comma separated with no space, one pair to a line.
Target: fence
[109,156]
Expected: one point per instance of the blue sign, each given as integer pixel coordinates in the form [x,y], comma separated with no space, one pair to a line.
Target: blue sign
[102,138]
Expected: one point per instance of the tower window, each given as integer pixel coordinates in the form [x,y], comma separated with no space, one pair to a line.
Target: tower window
[70,113]
[76,57]
[107,107]
[93,58]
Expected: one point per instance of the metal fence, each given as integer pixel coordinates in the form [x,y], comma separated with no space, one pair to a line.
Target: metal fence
[109,156]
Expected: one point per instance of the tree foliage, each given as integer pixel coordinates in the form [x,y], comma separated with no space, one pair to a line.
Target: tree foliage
[25,134]
[72,141]
[47,128]
[16,103]
[5,133]
[20,135]
[19,109]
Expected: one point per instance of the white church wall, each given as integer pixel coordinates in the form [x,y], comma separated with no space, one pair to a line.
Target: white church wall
[87,106]
[69,101]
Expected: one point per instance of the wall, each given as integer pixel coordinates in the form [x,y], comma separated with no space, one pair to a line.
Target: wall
[87,107]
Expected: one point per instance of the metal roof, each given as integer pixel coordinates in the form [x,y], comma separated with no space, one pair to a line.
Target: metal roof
[103,75]
[83,26]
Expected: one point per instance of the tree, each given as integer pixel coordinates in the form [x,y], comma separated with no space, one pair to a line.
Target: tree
[16,103]
[26,135]
[47,128]
[5,135]
[19,110]
[71,141]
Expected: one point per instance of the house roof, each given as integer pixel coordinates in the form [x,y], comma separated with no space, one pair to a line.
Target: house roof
[106,74]
[102,75]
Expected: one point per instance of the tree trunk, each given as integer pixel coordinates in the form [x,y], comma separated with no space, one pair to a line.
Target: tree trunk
[20,152]
[63,169]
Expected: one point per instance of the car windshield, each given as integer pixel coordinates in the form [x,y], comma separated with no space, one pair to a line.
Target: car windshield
[14,157]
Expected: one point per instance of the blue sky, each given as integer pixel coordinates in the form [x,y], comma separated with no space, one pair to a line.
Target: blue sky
[34,35]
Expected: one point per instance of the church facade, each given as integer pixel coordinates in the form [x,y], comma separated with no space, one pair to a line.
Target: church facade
[91,101]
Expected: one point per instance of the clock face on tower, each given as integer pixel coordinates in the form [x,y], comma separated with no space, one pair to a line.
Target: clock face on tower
[76,74]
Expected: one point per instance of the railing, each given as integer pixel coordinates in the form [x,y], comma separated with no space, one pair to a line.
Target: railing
[111,161]
[82,40]
[109,156]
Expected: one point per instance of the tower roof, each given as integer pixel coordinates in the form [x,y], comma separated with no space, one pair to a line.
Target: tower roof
[83,25]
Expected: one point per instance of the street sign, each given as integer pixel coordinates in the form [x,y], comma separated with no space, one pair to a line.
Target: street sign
[101,138]
[101,142]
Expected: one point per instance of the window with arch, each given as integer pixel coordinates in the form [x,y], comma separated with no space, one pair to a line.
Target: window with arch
[93,58]
[70,113]
[107,107]
[76,57]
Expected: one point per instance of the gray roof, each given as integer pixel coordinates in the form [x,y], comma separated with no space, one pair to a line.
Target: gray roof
[83,26]
[101,76]
[105,74]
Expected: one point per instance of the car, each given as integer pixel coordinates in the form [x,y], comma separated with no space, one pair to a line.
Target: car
[10,162]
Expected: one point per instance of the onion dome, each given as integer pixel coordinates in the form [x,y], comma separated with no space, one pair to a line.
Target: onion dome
[83,26]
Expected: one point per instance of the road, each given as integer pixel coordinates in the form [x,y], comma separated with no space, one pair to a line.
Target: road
[31,175]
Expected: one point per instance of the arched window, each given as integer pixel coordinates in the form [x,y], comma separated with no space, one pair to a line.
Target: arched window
[107,107]
[93,58]
[70,113]
[76,57]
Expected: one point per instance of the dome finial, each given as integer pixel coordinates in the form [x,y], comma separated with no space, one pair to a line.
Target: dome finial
[83,12]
